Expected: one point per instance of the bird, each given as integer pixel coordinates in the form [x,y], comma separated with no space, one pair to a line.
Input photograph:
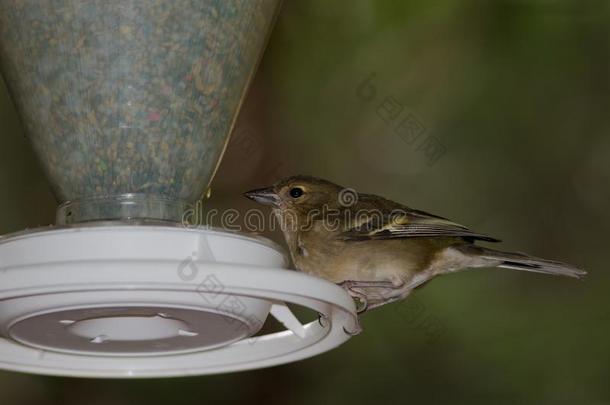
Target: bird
[378,250]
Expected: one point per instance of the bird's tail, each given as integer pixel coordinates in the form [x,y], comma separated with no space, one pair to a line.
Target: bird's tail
[519,261]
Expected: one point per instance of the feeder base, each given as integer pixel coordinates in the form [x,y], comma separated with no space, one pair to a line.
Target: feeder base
[153,301]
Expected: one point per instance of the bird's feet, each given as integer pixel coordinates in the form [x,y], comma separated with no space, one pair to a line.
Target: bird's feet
[352,287]
[323,321]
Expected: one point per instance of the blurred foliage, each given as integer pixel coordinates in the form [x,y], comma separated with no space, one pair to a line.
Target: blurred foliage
[518,92]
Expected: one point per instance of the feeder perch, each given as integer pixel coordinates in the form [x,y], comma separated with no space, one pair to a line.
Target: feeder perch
[129,106]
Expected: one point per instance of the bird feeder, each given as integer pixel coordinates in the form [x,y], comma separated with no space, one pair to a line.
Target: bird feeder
[128,105]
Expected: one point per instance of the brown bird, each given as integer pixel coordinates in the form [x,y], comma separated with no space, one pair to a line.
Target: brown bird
[377,249]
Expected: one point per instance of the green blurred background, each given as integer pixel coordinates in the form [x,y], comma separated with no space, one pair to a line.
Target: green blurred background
[517,93]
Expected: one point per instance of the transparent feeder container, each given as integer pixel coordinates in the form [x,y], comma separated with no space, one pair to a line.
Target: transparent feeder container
[129,105]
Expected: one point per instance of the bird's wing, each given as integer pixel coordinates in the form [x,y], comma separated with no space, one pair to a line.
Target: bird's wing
[394,221]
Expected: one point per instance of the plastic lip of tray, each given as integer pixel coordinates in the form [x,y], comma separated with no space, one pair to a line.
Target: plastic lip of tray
[156,301]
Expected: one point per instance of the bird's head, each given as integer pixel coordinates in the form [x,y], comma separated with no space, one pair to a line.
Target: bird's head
[298,193]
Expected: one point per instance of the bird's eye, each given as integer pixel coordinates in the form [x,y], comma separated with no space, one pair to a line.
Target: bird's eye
[296,192]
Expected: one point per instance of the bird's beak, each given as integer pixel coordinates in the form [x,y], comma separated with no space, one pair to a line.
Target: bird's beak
[264,196]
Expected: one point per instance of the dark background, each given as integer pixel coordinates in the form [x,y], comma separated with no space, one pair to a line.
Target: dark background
[517,95]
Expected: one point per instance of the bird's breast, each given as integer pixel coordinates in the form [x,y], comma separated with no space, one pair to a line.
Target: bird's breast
[337,260]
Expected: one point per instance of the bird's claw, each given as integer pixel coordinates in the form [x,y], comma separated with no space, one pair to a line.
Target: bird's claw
[323,321]
[351,285]
[364,304]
